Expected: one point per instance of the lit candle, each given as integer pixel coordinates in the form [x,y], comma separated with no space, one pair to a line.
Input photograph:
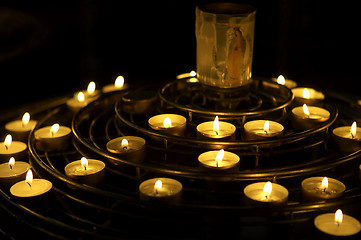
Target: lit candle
[287,82]
[216,129]
[161,189]
[261,129]
[118,85]
[321,188]
[307,117]
[131,148]
[20,129]
[87,171]
[266,193]
[191,74]
[307,96]
[52,138]
[31,187]
[337,224]
[172,124]
[13,172]
[77,103]
[347,139]
[218,160]
[10,148]
[90,94]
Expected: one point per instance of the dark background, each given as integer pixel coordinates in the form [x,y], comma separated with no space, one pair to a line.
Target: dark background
[52,48]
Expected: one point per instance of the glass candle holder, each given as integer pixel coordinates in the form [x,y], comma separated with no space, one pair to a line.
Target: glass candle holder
[225,34]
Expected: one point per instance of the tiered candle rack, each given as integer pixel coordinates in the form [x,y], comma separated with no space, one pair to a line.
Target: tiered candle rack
[213,204]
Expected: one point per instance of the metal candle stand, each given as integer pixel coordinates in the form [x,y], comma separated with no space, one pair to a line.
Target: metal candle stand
[209,208]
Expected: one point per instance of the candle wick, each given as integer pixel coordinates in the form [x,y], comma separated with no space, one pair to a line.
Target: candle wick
[352,136]
[6,147]
[84,167]
[216,132]
[11,167]
[29,184]
[155,191]
[125,147]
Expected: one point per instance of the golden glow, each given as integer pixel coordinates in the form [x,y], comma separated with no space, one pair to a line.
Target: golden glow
[54,129]
[119,82]
[11,162]
[216,125]
[219,157]
[306,93]
[305,110]
[25,120]
[124,143]
[353,130]
[338,217]
[91,88]
[167,122]
[84,162]
[324,184]
[157,186]
[267,189]
[29,177]
[266,127]
[281,80]
[8,140]
[81,97]
[193,73]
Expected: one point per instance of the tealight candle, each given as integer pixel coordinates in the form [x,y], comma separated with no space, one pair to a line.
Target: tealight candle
[218,160]
[87,171]
[266,193]
[31,187]
[307,117]
[347,139]
[191,74]
[337,224]
[139,102]
[13,172]
[161,189]
[10,148]
[307,96]
[20,129]
[131,148]
[262,129]
[287,82]
[216,129]
[321,188]
[172,124]
[77,103]
[90,94]
[118,85]
[52,138]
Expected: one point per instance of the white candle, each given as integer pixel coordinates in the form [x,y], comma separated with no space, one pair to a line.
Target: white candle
[218,160]
[307,117]
[31,187]
[321,188]
[87,171]
[20,129]
[52,138]
[261,129]
[90,94]
[172,124]
[337,224]
[283,81]
[308,96]
[161,189]
[78,102]
[128,147]
[10,148]
[347,139]
[13,171]
[118,85]
[266,193]
[216,129]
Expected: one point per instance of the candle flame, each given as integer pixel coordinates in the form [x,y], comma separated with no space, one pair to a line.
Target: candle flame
[305,110]
[54,129]
[338,217]
[81,97]
[193,73]
[25,120]
[219,157]
[324,184]
[266,127]
[124,143]
[157,186]
[119,82]
[281,80]
[84,162]
[7,142]
[353,130]
[11,162]
[167,122]
[216,125]
[267,189]
[306,93]
[91,88]
[29,177]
